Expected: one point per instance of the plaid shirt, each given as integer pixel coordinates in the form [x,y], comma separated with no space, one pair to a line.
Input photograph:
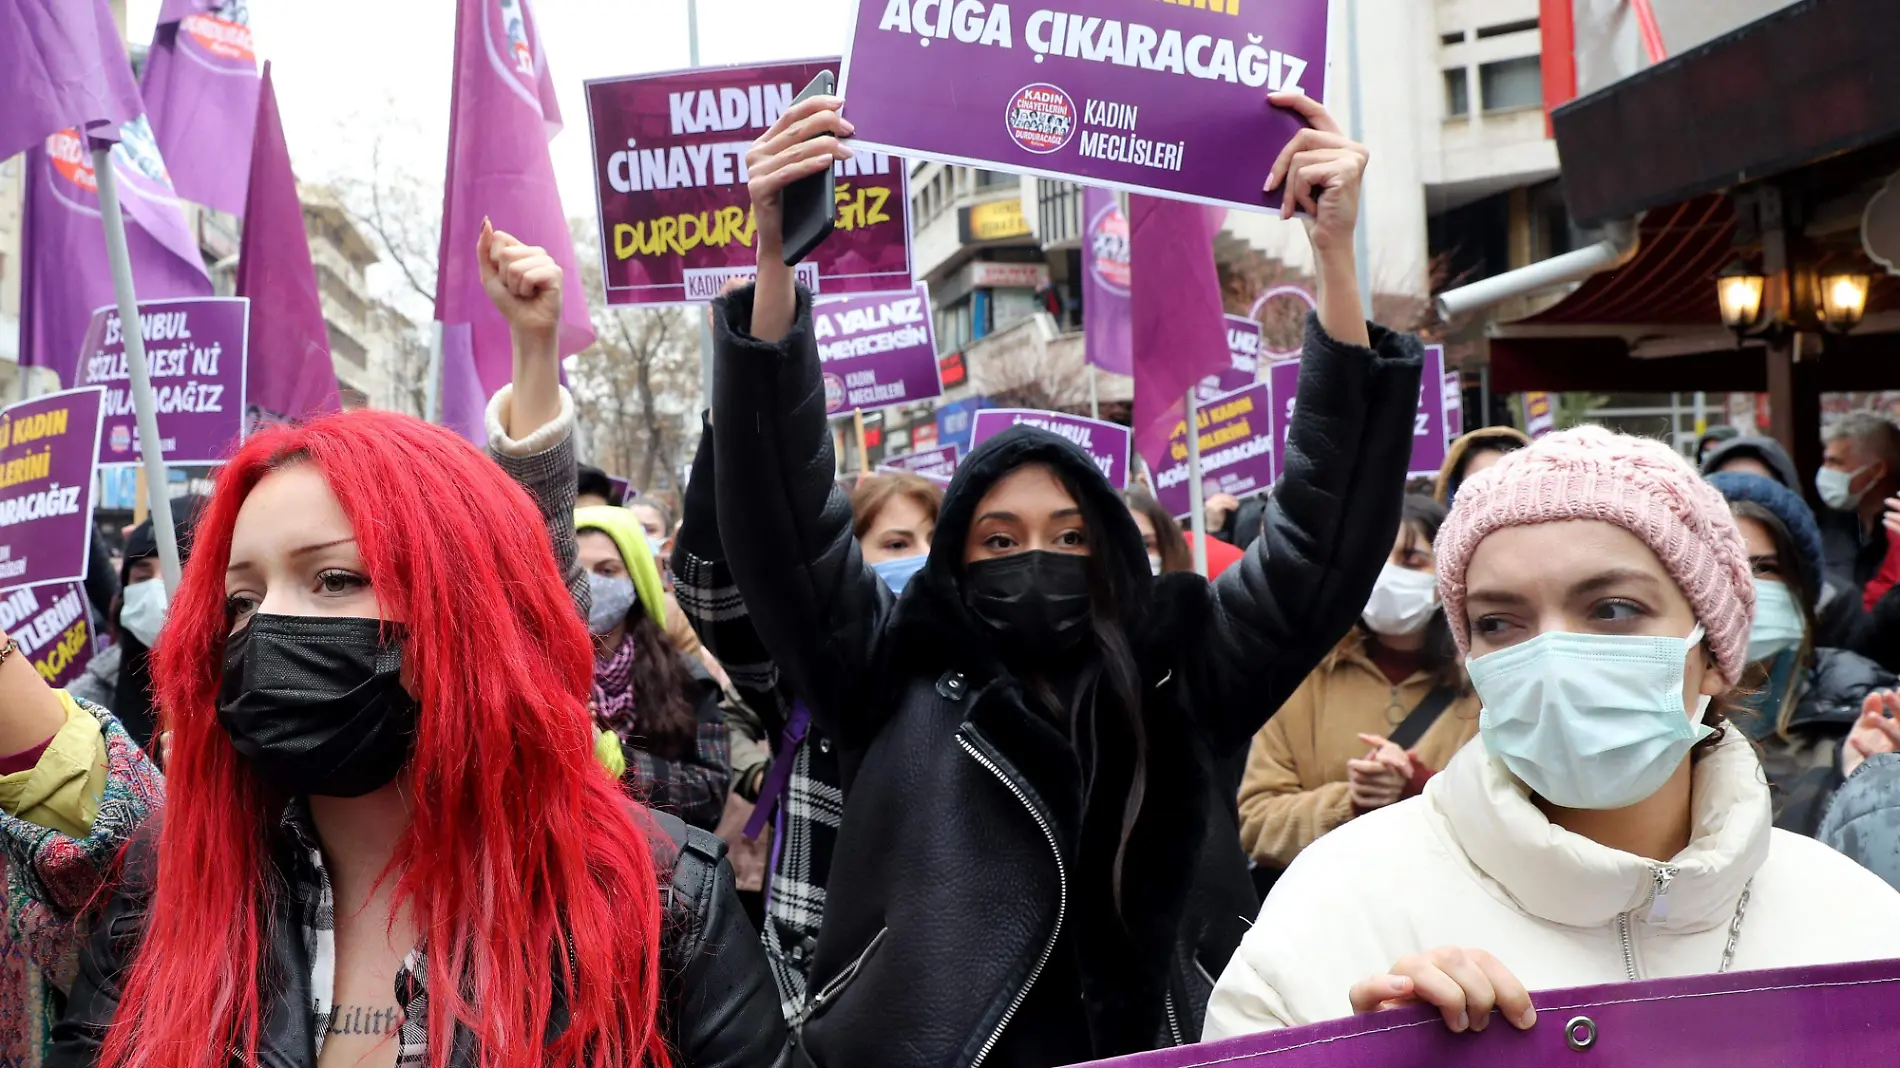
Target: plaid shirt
[315,904]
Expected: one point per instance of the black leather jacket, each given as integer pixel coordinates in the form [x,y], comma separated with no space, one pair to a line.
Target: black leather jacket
[971,913]
[720,1008]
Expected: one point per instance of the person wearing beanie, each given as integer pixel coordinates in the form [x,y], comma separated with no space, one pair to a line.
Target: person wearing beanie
[661,703]
[1801,701]
[1753,455]
[1604,826]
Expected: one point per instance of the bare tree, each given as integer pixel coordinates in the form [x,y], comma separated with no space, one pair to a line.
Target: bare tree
[1028,366]
[405,219]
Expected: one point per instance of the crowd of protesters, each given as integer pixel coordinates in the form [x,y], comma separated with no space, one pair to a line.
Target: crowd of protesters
[507,769]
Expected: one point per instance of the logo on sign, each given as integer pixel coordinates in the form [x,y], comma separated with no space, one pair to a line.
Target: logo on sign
[834,392]
[121,438]
[1108,249]
[1040,118]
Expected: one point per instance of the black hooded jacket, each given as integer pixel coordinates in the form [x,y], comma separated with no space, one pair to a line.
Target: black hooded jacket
[132,699]
[969,916]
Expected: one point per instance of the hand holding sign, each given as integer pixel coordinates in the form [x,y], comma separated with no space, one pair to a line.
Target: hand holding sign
[1322,168]
[1464,984]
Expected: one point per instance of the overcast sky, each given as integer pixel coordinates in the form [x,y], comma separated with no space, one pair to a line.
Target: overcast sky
[351,71]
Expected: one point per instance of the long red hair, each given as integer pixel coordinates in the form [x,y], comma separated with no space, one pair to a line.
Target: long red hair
[525,867]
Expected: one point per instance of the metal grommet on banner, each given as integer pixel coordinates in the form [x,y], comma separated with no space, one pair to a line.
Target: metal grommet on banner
[1580,1033]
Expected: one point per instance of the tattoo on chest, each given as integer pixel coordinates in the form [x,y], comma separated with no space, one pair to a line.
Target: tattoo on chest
[363,1020]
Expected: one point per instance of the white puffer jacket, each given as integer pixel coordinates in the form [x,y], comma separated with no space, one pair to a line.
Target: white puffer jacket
[1473,863]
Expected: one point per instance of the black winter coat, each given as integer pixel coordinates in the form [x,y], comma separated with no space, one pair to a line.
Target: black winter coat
[969,868]
[1803,761]
[719,1008]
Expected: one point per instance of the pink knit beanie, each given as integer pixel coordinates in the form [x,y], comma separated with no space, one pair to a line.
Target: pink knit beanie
[1636,483]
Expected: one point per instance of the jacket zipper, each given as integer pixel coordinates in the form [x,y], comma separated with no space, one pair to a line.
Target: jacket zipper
[1661,875]
[1174,1021]
[1062,896]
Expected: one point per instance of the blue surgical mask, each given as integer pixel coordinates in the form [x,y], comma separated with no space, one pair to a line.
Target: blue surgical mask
[614,597]
[1779,624]
[1589,721]
[897,573]
[1836,488]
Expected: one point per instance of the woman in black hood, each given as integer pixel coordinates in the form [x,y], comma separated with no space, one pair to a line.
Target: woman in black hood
[1037,864]
[141,613]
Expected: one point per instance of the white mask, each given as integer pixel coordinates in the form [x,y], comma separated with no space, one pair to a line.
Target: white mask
[1154,565]
[1402,601]
[1836,488]
[1589,721]
[143,613]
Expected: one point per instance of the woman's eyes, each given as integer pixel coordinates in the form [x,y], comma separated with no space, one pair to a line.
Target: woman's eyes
[340,582]
[896,545]
[1071,539]
[1491,625]
[1617,611]
[999,543]
[238,605]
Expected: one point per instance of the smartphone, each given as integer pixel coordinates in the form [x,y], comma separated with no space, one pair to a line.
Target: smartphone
[811,206]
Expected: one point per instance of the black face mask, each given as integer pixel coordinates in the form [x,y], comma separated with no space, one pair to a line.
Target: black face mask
[316,704]
[1037,602]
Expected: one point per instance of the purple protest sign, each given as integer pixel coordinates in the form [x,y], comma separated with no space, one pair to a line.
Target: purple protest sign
[876,351]
[53,629]
[1428,420]
[1454,406]
[1243,347]
[1429,439]
[1106,443]
[1107,319]
[623,489]
[1167,99]
[670,180]
[48,447]
[195,348]
[1830,1016]
[1237,450]
[937,464]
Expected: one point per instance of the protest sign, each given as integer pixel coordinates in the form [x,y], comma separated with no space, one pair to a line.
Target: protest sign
[48,447]
[937,464]
[954,418]
[1540,414]
[1243,348]
[1152,97]
[876,351]
[1106,443]
[52,627]
[1837,1016]
[195,347]
[1428,419]
[670,180]
[1237,450]
[623,489]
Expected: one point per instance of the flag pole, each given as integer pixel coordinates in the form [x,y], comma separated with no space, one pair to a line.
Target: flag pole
[432,391]
[864,455]
[1197,509]
[1095,403]
[157,483]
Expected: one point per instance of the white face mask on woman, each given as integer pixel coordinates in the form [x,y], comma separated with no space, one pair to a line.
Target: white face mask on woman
[1402,601]
[1589,721]
[143,613]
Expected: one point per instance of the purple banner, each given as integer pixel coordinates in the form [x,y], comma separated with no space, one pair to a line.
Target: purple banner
[1237,450]
[1107,321]
[53,629]
[1243,347]
[670,179]
[48,448]
[1832,1016]
[201,88]
[195,349]
[1106,443]
[1428,420]
[61,62]
[937,464]
[1161,98]
[876,351]
[1454,405]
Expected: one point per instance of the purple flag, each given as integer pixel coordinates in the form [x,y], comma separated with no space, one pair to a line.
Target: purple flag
[501,115]
[1105,315]
[61,63]
[1180,328]
[66,274]
[201,94]
[290,372]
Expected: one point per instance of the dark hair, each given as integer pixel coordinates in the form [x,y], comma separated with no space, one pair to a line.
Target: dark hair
[665,721]
[1478,447]
[593,482]
[1794,571]
[1169,542]
[874,493]
[1419,519]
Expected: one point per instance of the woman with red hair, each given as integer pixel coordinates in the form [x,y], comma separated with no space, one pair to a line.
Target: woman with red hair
[387,838]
